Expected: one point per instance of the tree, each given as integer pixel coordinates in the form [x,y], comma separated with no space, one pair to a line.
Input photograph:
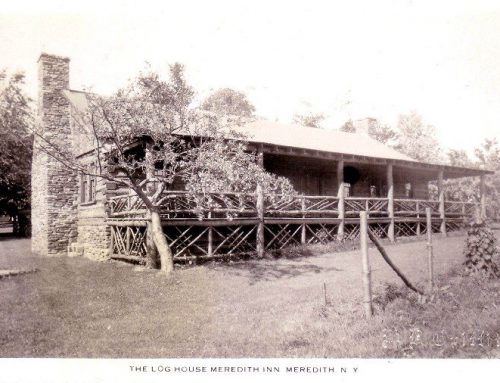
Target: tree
[229,102]
[376,130]
[312,120]
[488,155]
[146,137]
[461,189]
[416,139]
[16,122]
[383,133]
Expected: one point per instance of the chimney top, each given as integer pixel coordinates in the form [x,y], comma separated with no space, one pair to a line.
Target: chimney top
[362,125]
[47,56]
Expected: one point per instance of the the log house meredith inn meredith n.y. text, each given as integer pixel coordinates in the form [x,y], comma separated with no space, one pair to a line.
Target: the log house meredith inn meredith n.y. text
[337,175]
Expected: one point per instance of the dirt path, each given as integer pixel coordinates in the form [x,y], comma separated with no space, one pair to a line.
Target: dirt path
[76,307]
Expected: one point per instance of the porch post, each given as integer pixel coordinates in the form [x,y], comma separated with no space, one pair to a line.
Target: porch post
[418,217]
[303,226]
[261,246]
[260,226]
[260,156]
[482,195]
[390,201]
[341,196]
[441,202]
[210,238]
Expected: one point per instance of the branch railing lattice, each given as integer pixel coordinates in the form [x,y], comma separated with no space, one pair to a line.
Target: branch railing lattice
[222,224]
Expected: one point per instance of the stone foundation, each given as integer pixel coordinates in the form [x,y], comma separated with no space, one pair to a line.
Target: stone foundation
[93,233]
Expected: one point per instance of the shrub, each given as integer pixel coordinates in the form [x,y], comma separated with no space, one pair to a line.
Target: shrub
[480,250]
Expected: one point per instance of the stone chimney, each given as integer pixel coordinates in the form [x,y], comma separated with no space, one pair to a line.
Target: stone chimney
[363,125]
[54,186]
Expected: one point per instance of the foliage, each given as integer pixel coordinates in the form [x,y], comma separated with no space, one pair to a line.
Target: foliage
[15,143]
[416,139]
[382,133]
[376,130]
[227,101]
[348,127]
[488,155]
[411,136]
[238,172]
[461,189]
[171,141]
[312,120]
[479,250]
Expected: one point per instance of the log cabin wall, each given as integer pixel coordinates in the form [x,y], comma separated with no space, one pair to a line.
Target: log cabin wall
[418,180]
[311,176]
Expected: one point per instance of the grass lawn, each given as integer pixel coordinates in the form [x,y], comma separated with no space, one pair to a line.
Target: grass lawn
[74,307]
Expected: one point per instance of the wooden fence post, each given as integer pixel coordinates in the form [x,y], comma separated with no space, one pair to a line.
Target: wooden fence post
[441,203]
[260,226]
[367,289]
[430,255]
[390,202]
[341,196]
[303,228]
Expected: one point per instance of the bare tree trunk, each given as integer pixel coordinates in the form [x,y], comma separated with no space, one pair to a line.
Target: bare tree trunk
[152,258]
[166,258]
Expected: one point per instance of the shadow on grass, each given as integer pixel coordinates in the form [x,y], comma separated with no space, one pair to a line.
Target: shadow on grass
[8,235]
[266,270]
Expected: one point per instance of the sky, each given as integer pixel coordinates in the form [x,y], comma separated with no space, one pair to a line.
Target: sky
[345,59]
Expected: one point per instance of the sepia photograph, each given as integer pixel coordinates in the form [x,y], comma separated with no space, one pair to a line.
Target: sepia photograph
[229,189]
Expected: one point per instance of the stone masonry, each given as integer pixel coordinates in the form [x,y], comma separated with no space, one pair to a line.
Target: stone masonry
[54,186]
[93,237]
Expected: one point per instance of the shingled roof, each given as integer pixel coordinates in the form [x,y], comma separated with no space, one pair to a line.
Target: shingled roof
[333,141]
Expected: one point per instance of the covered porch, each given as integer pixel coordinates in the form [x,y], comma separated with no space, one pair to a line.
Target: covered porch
[254,224]
[334,182]
[390,189]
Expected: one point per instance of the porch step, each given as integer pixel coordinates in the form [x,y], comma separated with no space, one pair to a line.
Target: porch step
[75,250]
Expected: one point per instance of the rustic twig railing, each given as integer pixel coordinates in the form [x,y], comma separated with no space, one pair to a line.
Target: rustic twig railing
[221,224]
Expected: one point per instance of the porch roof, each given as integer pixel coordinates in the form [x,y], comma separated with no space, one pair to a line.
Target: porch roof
[325,140]
[355,147]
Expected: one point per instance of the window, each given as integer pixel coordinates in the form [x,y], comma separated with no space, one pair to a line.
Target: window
[83,188]
[88,186]
[92,189]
